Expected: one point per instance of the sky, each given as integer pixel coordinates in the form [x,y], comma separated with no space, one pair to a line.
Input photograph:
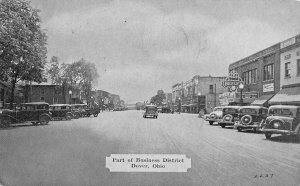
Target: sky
[141,46]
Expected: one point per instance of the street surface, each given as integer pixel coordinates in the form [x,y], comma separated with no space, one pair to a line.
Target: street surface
[73,152]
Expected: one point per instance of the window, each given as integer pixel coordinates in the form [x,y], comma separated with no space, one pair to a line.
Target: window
[250,77]
[211,89]
[42,91]
[287,71]
[41,107]
[269,72]
[42,98]
[298,67]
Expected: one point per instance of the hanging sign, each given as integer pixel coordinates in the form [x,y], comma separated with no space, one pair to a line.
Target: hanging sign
[232,81]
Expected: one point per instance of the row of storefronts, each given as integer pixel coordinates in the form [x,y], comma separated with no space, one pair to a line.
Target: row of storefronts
[270,76]
[200,92]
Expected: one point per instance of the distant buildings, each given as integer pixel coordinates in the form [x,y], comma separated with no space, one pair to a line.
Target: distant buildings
[197,93]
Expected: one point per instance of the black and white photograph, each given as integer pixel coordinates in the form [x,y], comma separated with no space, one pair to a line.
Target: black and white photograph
[149,92]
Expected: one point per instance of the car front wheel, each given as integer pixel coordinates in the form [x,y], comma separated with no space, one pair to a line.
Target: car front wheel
[44,120]
[95,115]
[211,122]
[5,122]
[68,117]
[239,129]
[268,135]
[222,125]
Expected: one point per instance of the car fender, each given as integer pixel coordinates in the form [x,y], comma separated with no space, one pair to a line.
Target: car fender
[45,115]
[6,115]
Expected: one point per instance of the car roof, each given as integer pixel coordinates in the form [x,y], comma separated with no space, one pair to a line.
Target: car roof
[235,107]
[35,103]
[151,106]
[59,105]
[284,106]
[253,107]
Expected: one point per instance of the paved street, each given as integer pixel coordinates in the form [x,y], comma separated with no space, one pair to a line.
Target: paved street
[73,152]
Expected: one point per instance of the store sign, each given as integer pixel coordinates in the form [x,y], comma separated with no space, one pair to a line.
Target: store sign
[232,81]
[268,87]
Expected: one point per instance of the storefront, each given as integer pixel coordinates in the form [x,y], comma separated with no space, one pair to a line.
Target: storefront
[234,98]
[288,95]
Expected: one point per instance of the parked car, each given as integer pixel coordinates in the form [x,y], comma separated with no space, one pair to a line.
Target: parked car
[151,111]
[230,114]
[251,117]
[214,116]
[282,119]
[61,111]
[78,110]
[35,112]
[92,111]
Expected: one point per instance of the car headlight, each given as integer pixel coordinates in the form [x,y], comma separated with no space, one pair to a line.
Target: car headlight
[276,125]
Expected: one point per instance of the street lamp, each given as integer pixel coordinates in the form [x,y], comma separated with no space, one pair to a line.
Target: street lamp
[199,94]
[70,93]
[241,87]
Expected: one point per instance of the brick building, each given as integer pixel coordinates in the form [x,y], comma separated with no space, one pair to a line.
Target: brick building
[262,73]
[197,93]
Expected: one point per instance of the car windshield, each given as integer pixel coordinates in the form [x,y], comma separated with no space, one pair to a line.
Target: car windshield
[151,108]
[282,112]
[249,111]
[218,109]
[230,110]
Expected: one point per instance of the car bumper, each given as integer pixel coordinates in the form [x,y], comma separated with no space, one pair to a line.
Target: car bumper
[255,125]
[214,120]
[277,131]
[226,122]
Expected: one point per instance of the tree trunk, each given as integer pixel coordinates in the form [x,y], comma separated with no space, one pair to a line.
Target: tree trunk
[12,94]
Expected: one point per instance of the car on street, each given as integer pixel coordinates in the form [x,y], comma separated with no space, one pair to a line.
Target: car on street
[214,116]
[251,117]
[78,110]
[35,112]
[92,111]
[61,111]
[151,111]
[282,119]
[230,114]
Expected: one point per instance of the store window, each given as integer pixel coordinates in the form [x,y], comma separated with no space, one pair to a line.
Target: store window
[268,72]
[287,67]
[298,67]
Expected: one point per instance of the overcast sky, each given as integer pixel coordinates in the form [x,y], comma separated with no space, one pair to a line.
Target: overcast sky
[142,46]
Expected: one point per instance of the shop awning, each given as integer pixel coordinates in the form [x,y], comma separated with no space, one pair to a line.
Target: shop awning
[262,100]
[287,96]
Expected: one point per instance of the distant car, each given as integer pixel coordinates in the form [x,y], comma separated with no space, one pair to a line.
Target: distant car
[151,111]
[61,111]
[92,111]
[251,117]
[35,112]
[230,115]
[214,116]
[282,119]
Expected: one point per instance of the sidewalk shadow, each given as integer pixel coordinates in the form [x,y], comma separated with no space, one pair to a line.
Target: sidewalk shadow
[285,139]
[14,126]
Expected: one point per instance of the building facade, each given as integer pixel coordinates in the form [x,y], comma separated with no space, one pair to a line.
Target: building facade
[266,72]
[200,92]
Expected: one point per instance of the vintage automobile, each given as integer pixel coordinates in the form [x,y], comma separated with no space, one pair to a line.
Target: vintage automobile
[92,111]
[35,112]
[251,117]
[151,111]
[230,114]
[282,119]
[78,110]
[215,115]
[61,111]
